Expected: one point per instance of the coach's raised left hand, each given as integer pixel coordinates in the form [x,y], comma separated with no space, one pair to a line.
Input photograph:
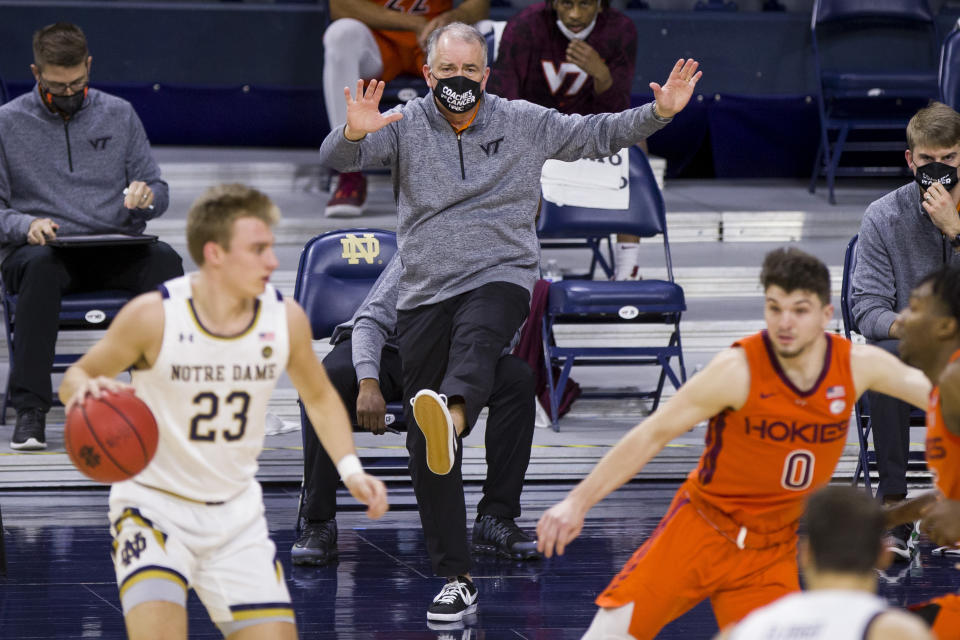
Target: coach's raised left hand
[675,93]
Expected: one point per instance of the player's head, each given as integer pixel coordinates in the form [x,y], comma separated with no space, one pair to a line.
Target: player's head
[578,15]
[797,309]
[845,529]
[61,65]
[933,145]
[456,68]
[930,325]
[228,228]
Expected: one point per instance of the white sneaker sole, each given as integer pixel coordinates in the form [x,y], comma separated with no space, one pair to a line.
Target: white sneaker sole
[342,211]
[433,419]
[452,617]
[31,444]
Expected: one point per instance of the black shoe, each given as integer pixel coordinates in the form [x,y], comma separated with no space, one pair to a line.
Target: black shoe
[457,599]
[901,541]
[317,544]
[502,536]
[29,434]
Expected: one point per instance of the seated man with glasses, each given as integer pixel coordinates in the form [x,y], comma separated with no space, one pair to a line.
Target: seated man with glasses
[73,161]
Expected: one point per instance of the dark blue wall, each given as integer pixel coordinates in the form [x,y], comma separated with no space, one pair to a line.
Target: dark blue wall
[250,74]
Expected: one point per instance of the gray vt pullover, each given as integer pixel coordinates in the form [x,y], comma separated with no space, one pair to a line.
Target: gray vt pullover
[898,245]
[73,171]
[466,203]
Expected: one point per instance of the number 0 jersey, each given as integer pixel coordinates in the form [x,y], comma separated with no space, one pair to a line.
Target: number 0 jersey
[762,460]
[942,446]
[209,394]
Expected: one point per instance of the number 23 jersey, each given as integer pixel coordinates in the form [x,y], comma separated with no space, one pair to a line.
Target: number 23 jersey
[209,394]
[761,461]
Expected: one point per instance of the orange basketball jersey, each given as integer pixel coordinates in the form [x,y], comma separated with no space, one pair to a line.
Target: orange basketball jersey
[399,50]
[762,460]
[943,447]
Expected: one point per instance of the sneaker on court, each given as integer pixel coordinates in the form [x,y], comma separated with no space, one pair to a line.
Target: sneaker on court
[502,537]
[317,544]
[458,598]
[901,541]
[30,432]
[432,416]
[349,196]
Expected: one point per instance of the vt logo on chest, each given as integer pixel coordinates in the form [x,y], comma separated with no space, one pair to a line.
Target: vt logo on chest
[556,77]
[99,144]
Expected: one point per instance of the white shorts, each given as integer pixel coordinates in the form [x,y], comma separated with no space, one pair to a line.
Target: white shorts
[163,545]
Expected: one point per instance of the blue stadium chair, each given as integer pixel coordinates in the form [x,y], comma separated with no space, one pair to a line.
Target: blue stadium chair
[78,312]
[861,409]
[605,302]
[950,69]
[335,273]
[864,93]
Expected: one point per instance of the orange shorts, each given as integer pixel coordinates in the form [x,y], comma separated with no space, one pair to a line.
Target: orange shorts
[400,54]
[686,560]
[942,614]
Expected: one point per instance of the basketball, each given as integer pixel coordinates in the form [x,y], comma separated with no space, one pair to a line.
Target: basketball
[111,438]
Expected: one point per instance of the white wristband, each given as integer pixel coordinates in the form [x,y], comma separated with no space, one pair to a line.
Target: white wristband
[349,465]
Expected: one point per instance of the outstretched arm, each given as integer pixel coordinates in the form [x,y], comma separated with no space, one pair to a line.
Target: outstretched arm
[327,413]
[722,384]
[876,370]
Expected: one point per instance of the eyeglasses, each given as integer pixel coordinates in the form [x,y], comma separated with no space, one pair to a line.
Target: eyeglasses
[61,88]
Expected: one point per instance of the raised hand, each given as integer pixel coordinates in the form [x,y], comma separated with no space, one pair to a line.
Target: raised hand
[363,112]
[673,96]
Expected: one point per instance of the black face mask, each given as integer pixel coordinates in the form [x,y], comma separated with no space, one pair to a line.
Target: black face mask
[458,94]
[67,105]
[936,172]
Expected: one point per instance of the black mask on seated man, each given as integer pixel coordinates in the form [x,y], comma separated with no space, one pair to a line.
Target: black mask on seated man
[458,94]
[936,172]
[67,105]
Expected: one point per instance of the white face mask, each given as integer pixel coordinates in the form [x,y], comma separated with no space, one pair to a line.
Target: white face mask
[582,35]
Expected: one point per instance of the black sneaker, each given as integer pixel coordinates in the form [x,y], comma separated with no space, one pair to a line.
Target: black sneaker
[317,544]
[502,536]
[29,434]
[901,541]
[458,598]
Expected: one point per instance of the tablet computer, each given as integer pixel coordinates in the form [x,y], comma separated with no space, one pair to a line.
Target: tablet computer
[101,239]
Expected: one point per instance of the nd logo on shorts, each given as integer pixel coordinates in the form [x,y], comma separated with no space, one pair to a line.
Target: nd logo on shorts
[355,249]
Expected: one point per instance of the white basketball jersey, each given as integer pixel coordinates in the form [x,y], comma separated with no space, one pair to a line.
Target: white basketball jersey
[209,394]
[824,614]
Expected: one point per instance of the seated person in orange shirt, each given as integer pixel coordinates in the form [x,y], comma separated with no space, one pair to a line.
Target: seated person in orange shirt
[778,404]
[378,39]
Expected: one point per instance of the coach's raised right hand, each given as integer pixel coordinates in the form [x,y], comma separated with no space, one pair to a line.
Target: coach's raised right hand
[370,491]
[363,112]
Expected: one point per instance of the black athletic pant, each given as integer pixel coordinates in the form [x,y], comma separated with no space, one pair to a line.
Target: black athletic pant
[508,437]
[41,275]
[890,423]
[320,477]
[454,347]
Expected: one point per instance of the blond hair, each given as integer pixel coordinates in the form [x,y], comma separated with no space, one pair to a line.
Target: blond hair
[936,126]
[212,215]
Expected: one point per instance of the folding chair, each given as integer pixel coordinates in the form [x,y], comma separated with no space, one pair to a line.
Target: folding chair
[78,312]
[606,302]
[950,69]
[861,409]
[335,273]
[860,92]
